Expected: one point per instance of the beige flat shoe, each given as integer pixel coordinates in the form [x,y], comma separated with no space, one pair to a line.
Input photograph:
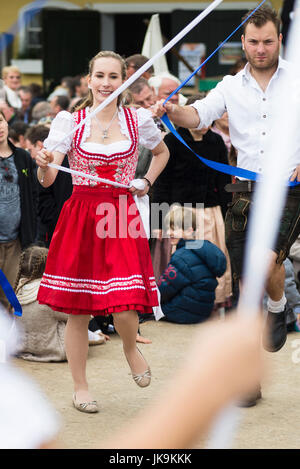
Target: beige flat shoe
[143,379]
[88,407]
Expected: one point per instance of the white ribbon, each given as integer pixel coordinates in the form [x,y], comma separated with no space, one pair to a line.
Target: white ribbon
[140,71]
[267,207]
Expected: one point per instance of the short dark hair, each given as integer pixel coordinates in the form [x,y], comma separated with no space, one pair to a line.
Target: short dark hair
[12,135]
[20,127]
[37,133]
[261,17]
[63,102]
[139,85]
[25,89]
[137,61]
[35,89]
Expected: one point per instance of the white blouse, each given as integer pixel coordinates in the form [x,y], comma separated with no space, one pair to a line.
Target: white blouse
[13,98]
[149,134]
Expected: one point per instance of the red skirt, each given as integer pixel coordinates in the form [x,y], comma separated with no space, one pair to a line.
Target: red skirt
[99,260]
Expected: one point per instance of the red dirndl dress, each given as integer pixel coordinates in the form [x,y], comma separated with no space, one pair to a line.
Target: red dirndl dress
[99,260]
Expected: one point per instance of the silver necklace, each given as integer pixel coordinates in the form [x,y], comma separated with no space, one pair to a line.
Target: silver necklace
[105,131]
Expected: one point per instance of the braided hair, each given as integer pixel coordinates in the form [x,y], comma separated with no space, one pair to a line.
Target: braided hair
[32,265]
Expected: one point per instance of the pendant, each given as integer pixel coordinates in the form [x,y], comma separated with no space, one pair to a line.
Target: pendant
[104,135]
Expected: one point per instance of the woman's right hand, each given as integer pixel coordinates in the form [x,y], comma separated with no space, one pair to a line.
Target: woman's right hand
[43,158]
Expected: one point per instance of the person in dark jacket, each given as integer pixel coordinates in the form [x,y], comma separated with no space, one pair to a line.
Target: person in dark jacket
[187,286]
[51,199]
[18,204]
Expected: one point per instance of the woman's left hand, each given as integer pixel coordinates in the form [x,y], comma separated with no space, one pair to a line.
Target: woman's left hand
[136,189]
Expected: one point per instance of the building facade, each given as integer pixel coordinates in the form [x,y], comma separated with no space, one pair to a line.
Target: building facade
[31,30]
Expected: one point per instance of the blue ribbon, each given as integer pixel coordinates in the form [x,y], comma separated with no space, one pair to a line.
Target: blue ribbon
[10,294]
[225,168]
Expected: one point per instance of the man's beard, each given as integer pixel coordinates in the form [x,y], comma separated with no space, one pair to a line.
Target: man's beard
[266,65]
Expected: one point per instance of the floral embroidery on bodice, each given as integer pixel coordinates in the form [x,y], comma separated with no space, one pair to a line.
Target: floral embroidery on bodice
[119,166]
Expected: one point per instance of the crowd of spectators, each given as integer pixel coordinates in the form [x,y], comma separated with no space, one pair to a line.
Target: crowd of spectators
[29,112]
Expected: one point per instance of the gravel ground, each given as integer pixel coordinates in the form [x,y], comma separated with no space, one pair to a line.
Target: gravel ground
[273,423]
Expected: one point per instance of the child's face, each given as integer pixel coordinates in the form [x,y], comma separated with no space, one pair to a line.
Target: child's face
[178,233]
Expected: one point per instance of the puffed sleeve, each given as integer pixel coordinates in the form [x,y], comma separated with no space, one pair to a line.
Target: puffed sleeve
[149,134]
[61,126]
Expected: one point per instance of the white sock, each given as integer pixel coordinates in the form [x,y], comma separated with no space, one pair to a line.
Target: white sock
[276,306]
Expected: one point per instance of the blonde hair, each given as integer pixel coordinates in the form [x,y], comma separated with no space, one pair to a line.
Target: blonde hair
[88,102]
[181,218]
[32,265]
[8,69]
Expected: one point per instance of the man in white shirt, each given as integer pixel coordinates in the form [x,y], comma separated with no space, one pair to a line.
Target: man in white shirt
[250,100]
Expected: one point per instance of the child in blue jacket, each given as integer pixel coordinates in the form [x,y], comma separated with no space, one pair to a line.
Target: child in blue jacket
[188,284]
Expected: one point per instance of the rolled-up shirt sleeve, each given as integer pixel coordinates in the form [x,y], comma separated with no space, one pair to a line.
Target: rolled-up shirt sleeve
[60,129]
[210,108]
[149,134]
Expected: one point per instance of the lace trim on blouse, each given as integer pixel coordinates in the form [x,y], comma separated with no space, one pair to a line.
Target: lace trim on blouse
[149,135]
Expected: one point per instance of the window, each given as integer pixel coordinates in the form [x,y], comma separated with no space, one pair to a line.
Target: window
[30,26]
[33,34]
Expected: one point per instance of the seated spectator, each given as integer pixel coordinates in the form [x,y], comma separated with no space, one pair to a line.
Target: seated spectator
[186,179]
[163,85]
[292,296]
[37,93]
[74,103]
[13,137]
[24,113]
[136,61]
[11,76]
[142,93]
[9,112]
[58,104]
[69,84]
[52,198]
[34,144]
[18,204]
[60,90]
[41,110]
[42,334]
[34,138]
[187,286]
[20,128]
[81,86]
[221,127]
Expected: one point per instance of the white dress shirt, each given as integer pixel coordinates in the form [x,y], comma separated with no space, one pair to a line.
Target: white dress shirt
[252,114]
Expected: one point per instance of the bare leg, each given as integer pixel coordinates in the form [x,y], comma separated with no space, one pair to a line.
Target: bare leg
[276,278]
[275,331]
[126,324]
[76,345]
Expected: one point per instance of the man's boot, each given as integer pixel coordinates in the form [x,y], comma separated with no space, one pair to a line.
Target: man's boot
[275,332]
